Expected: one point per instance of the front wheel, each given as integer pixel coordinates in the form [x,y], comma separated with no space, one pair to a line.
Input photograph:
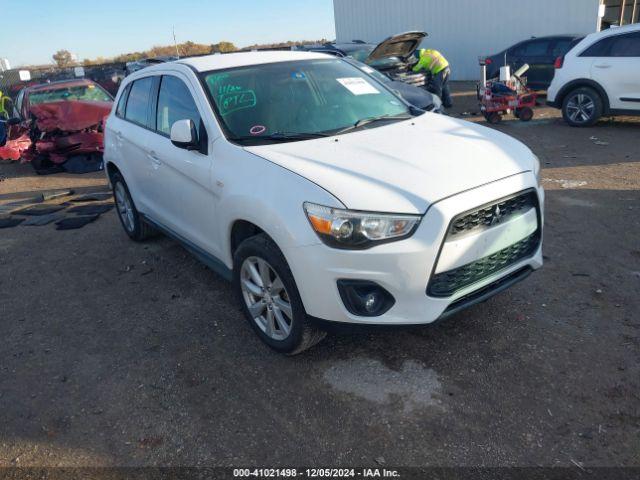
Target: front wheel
[582,107]
[269,297]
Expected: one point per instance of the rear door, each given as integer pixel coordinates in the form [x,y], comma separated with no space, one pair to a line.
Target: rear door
[616,67]
[133,134]
[536,53]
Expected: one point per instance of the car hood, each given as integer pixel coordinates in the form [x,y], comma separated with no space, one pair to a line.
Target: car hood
[71,116]
[402,46]
[404,167]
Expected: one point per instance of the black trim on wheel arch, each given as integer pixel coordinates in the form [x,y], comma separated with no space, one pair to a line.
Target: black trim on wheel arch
[209,260]
[580,83]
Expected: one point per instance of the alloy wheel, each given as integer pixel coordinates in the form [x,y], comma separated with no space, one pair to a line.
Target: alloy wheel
[125,208]
[266,298]
[580,108]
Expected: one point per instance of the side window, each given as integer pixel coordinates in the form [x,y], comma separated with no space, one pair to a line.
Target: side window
[536,48]
[626,45]
[138,102]
[561,47]
[599,49]
[122,103]
[175,103]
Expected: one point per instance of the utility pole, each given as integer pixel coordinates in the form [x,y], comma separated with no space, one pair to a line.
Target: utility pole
[622,5]
[633,13]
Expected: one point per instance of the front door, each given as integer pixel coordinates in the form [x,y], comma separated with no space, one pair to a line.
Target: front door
[183,178]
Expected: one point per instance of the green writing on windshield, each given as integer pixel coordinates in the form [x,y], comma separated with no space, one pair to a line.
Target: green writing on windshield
[233,100]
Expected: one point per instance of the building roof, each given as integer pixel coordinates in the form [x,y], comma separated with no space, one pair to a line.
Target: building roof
[242,59]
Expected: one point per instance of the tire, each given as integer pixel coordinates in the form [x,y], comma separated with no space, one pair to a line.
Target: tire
[130,219]
[493,118]
[288,331]
[582,107]
[525,114]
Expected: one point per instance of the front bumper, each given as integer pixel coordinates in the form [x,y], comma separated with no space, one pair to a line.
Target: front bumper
[404,268]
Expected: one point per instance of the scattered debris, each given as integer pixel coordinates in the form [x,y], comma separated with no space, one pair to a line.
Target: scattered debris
[93,197]
[10,222]
[42,220]
[566,183]
[91,209]
[73,223]
[36,210]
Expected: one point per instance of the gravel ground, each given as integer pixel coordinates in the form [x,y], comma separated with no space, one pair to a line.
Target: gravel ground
[116,353]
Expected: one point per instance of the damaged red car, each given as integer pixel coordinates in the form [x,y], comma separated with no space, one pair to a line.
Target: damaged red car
[59,126]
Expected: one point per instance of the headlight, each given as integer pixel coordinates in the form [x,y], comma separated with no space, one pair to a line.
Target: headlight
[355,230]
[537,170]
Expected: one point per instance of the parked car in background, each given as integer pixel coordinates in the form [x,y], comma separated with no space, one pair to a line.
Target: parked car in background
[306,182]
[137,65]
[59,91]
[599,76]
[540,53]
[56,121]
[392,56]
[416,96]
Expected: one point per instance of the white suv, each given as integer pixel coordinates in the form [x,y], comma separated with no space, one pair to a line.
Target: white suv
[320,193]
[599,76]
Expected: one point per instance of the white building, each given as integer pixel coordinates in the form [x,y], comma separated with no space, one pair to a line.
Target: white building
[463,30]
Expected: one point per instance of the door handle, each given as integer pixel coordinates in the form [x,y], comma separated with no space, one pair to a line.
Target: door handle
[603,65]
[154,158]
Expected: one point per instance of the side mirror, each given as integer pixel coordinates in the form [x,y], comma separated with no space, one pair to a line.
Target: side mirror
[184,135]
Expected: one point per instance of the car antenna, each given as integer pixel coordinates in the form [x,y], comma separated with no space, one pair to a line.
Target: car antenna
[173,29]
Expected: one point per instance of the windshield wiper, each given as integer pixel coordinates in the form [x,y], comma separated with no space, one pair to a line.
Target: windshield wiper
[365,121]
[281,136]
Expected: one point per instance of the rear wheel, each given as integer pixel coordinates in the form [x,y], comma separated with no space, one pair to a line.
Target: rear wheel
[493,117]
[130,218]
[269,297]
[525,114]
[582,107]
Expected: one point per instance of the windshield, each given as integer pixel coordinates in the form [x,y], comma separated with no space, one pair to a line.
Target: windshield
[302,97]
[88,93]
[359,53]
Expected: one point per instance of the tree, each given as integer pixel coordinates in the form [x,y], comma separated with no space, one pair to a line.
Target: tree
[223,47]
[63,58]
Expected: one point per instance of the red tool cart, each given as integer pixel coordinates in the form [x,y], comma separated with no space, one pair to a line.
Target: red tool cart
[499,98]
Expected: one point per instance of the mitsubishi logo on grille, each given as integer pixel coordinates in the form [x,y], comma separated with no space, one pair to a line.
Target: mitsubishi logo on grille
[497,216]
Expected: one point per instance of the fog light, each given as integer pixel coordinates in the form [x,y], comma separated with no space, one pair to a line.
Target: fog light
[370,302]
[364,298]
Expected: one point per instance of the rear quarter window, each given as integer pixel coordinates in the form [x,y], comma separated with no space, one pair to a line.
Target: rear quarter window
[122,102]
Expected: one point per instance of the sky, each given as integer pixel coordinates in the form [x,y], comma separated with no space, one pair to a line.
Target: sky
[107,28]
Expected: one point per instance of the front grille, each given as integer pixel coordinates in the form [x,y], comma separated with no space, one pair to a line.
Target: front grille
[484,217]
[447,283]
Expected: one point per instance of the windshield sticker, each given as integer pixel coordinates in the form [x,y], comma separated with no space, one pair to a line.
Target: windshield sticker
[258,130]
[358,86]
[235,99]
[298,76]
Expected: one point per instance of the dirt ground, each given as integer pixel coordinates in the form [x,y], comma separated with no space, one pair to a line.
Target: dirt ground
[117,353]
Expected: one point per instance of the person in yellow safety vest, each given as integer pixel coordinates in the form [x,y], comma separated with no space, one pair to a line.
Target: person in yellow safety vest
[434,62]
